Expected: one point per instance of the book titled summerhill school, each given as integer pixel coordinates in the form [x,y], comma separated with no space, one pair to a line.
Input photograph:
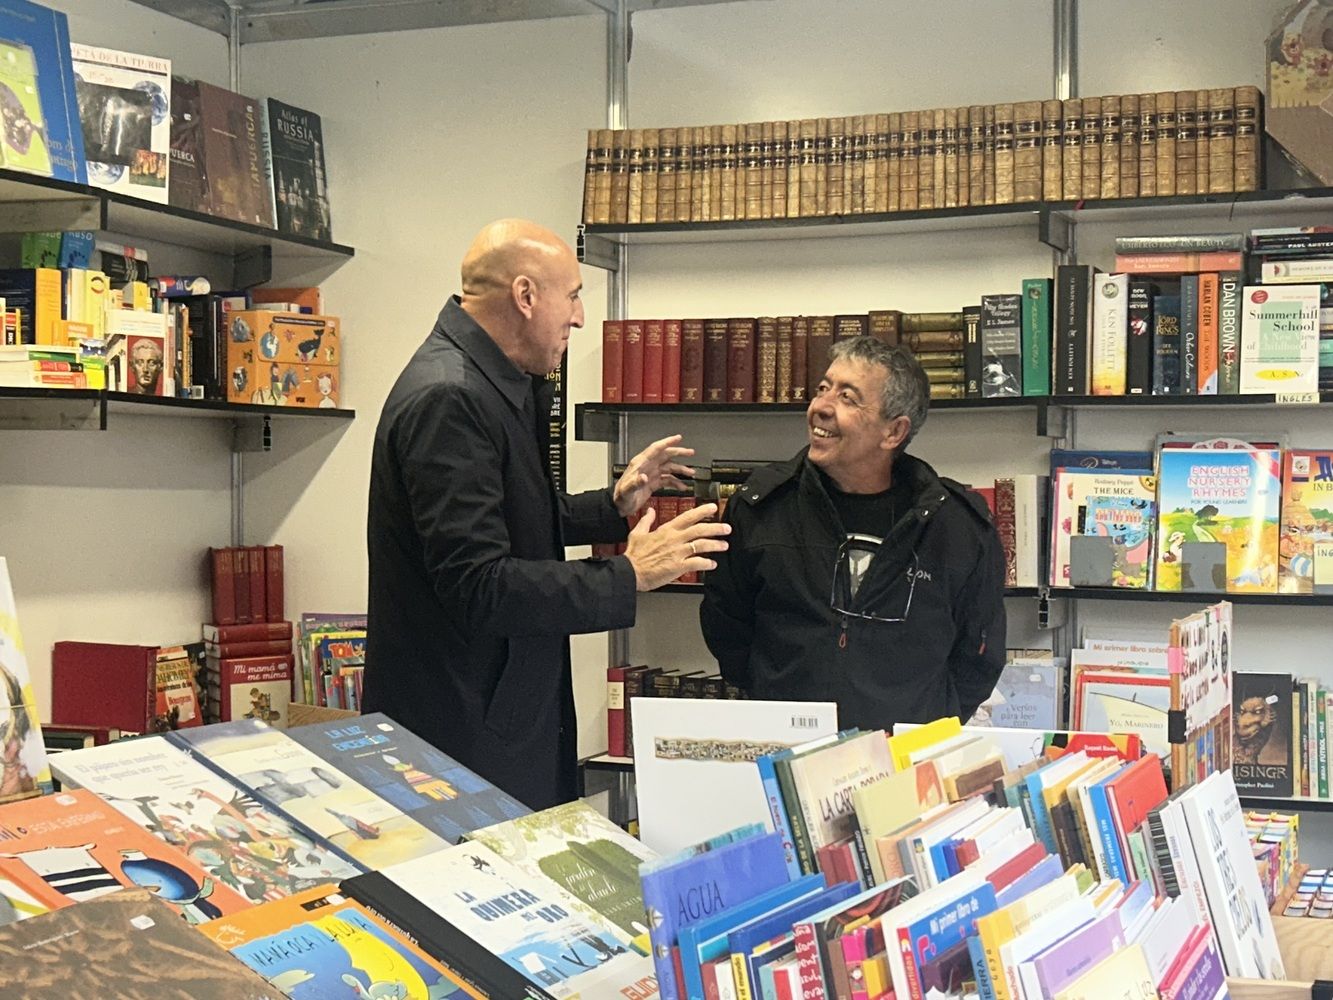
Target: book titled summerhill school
[1108,266]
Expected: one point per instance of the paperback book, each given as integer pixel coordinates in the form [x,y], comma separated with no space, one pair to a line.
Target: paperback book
[125,109]
[23,770]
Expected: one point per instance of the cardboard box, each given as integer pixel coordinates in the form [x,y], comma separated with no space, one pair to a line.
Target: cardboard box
[283,359]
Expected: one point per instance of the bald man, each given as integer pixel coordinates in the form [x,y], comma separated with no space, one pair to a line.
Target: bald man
[471,600]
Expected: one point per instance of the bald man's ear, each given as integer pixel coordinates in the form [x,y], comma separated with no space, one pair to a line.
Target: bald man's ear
[523,290]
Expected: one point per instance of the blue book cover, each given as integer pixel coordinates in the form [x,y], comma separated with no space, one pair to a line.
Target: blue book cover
[985,991]
[1074,458]
[776,929]
[777,810]
[48,139]
[1048,869]
[945,927]
[705,940]
[1101,809]
[403,769]
[702,886]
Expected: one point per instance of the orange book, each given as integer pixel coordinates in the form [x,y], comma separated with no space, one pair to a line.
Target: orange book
[1179,263]
[1208,349]
[308,298]
[321,939]
[73,846]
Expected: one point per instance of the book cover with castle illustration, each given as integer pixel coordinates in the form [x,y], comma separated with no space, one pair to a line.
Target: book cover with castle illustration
[584,853]
[1307,517]
[72,846]
[1225,494]
[288,777]
[235,838]
[400,767]
[318,943]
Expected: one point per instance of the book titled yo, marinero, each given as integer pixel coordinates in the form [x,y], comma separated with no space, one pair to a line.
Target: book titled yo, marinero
[400,767]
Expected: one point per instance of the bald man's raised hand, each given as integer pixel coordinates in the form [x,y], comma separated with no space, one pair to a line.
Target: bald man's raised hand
[680,546]
[654,468]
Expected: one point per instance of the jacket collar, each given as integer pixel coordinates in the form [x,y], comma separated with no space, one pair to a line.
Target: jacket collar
[927,489]
[455,324]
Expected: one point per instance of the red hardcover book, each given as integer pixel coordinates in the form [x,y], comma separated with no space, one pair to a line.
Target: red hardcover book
[273,584]
[715,361]
[220,632]
[254,555]
[236,650]
[782,366]
[1017,866]
[222,563]
[692,361]
[615,711]
[241,579]
[800,337]
[254,687]
[671,356]
[613,359]
[1006,527]
[104,684]
[1133,793]
[631,372]
[653,358]
[741,338]
[816,352]
[766,361]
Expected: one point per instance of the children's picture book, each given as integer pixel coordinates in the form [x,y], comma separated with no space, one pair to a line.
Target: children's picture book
[1262,742]
[288,777]
[125,109]
[1111,701]
[1224,494]
[23,768]
[1028,695]
[318,943]
[1199,664]
[238,840]
[683,744]
[402,768]
[584,853]
[72,846]
[1307,517]
[1116,511]
[534,925]
[42,133]
[65,954]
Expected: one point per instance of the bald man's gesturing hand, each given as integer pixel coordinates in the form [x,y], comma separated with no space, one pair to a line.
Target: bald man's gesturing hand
[652,469]
[681,545]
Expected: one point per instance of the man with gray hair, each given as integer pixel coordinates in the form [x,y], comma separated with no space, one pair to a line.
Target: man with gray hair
[854,573]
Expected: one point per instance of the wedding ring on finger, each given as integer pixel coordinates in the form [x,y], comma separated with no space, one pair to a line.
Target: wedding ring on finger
[692,551]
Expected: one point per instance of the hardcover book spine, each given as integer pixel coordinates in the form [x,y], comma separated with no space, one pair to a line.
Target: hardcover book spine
[807,962]
[1071,150]
[1249,138]
[274,589]
[602,193]
[1071,330]
[741,336]
[976,155]
[1091,183]
[1202,140]
[821,165]
[1036,336]
[885,325]
[1110,146]
[766,360]
[1139,348]
[634,192]
[653,358]
[1229,284]
[1052,150]
[224,586]
[777,198]
[1129,146]
[792,204]
[692,361]
[652,142]
[1221,140]
[1006,527]
[1186,136]
[631,374]
[1005,188]
[1189,335]
[615,711]
[1166,142]
[685,179]
[877,194]
[715,361]
[667,162]
[837,153]
[701,176]
[753,197]
[671,360]
[893,190]
[1166,345]
[988,153]
[809,168]
[937,127]
[907,165]
[972,351]
[1147,145]
[925,161]
[800,339]
[820,339]
[950,157]
[620,177]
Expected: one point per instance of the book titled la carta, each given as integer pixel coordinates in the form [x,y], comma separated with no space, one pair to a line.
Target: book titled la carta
[402,768]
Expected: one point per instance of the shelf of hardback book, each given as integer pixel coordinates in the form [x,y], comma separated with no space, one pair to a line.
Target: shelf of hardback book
[597,421]
[1232,207]
[1188,596]
[41,203]
[1304,803]
[88,409]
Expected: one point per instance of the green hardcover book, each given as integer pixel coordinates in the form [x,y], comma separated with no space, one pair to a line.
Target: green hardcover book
[1322,745]
[800,836]
[1036,336]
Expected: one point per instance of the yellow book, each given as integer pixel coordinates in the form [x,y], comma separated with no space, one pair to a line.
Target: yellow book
[138,296]
[47,298]
[1123,976]
[876,972]
[892,802]
[1001,926]
[901,745]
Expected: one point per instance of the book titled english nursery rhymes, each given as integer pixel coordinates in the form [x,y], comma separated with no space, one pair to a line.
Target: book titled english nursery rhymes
[400,767]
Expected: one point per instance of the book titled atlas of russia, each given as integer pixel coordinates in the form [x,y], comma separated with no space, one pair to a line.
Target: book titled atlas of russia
[403,769]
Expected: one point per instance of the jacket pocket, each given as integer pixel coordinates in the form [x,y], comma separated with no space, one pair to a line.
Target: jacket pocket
[511,689]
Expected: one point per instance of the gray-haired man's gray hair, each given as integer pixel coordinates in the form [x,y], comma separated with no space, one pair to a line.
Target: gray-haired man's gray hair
[906,388]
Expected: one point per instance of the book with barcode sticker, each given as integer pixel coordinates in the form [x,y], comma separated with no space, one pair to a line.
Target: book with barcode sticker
[680,743]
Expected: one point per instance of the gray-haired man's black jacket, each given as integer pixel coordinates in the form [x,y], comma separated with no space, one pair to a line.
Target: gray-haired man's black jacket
[768,619]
